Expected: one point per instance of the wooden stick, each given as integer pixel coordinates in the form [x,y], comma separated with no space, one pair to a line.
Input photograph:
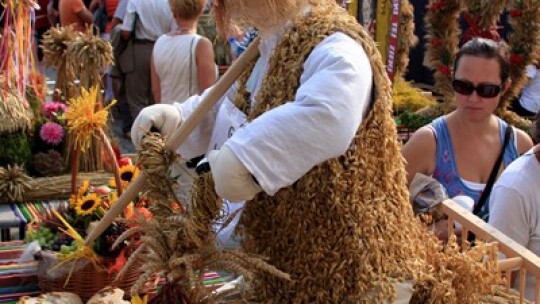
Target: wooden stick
[215,94]
[74,169]
[116,168]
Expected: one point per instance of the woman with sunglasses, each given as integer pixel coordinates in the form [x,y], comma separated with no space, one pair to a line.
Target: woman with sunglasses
[460,149]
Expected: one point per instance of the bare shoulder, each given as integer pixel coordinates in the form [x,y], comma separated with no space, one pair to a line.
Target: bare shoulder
[419,152]
[422,139]
[524,141]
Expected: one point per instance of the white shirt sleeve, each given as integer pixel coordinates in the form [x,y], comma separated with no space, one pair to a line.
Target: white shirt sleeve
[531,71]
[283,144]
[129,18]
[197,142]
[509,213]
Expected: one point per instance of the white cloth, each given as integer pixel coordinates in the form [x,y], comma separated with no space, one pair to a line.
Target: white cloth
[530,94]
[514,206]
[174,61]
[121,9]
[232,180]
[283,144]
[155,18]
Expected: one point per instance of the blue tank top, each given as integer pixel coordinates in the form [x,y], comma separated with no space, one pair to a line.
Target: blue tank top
[446,171]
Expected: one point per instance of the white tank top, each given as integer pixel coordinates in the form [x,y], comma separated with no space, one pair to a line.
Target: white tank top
[175,64]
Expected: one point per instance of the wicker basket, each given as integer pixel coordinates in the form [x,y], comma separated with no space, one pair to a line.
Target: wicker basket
[85,280]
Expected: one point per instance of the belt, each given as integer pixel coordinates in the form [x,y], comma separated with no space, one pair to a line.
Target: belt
[143,41]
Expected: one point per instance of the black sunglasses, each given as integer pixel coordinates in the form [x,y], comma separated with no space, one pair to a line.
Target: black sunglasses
[465,87]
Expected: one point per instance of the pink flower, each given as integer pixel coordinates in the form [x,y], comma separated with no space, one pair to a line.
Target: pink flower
[52,133]
[52,108]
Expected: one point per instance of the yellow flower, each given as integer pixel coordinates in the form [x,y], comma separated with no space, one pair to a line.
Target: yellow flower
[137,300]
[87,204]
[128,173]
[80,193]
[83,188]
[85,116]
[113,197]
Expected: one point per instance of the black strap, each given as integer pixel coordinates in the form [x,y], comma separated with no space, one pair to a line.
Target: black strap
[494,172]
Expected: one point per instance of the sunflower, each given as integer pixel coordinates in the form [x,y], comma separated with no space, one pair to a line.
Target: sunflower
[128,173]
[87,204]
[83,189]
[85,116]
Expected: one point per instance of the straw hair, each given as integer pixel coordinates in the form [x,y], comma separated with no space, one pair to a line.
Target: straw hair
[261,14]
[186,9]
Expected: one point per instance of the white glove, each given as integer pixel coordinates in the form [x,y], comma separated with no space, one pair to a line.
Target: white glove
[164,117]
[232,180]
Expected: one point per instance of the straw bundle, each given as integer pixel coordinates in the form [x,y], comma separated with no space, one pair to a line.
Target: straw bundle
[55,46]
[180,244]
[90,56]
[58,187]
[406,37]
[15,116]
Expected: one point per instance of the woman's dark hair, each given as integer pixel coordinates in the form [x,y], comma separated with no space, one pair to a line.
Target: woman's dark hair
[489,49]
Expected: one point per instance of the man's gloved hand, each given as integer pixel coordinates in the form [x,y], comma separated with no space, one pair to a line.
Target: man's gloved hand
[164,117]
[232,180]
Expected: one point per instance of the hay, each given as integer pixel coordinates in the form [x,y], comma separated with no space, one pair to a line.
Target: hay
[15,116]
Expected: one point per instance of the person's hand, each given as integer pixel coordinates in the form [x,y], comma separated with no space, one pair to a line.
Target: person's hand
[165,117]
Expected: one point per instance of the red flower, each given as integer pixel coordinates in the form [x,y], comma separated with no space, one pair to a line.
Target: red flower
[445,70]
[516,12]
[435,42]
[437,6]
[515,58]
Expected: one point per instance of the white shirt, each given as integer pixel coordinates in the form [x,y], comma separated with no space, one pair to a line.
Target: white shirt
[155,18]
[530,94]
[121,9]
[176,67]
[514,206]
[283,144]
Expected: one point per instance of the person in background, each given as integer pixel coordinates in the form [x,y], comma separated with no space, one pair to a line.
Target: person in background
[460,149]
[515,203]
[144,22]
[528,103]
[42,25]
[182,61]
[74,12]
[52,12]
[119,13]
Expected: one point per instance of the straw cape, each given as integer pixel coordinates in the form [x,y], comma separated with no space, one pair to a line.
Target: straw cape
[15,116]
[345,232]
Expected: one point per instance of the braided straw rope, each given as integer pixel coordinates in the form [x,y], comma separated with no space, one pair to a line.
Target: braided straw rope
[346,229]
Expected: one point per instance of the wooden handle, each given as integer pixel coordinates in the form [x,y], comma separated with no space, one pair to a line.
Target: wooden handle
[176,139]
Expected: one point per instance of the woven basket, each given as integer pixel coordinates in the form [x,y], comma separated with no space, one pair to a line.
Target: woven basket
[85,279]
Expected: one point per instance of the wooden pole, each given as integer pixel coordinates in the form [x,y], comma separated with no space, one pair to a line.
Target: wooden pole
[215,94]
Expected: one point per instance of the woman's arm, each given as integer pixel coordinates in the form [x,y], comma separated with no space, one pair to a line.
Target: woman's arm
[206,66]
[156,86]
[419,153]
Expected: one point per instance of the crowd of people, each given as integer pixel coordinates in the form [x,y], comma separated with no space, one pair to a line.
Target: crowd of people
[470,151]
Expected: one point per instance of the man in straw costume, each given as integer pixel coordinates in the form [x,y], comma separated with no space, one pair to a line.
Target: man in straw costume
[306,137]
